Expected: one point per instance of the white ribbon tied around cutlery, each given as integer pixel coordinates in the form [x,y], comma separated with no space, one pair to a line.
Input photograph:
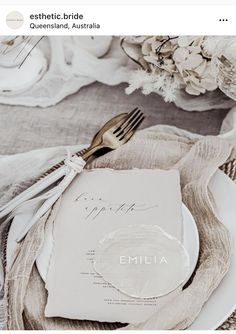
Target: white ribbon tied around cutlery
[35,201]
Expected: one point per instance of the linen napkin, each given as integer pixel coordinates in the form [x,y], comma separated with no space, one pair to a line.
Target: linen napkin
[159,147]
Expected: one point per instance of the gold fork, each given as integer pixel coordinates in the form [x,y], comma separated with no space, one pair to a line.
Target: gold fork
[112,135]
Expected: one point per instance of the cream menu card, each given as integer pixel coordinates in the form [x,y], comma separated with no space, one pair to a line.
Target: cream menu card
[97,203]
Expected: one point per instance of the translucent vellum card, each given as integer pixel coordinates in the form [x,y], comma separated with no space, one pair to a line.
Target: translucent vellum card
[97,203]
[142,261]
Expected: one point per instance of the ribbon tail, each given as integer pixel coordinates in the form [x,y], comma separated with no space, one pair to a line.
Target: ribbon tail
[33,203]
[50,198]
[32,191]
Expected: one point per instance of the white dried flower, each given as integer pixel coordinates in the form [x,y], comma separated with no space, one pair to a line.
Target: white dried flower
[163,84]
[173,63]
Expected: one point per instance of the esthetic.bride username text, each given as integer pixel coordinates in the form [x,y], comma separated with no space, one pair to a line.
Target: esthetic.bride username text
[62,21]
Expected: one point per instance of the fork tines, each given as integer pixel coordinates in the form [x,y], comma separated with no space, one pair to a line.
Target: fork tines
[134,119]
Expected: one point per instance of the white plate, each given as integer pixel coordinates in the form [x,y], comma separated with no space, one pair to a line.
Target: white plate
[15,79]
[223,301]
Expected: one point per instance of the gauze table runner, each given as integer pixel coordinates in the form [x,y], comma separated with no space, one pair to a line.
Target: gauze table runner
[158,147]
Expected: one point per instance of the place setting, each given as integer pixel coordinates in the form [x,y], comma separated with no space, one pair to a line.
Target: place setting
[127,230]
[118,171]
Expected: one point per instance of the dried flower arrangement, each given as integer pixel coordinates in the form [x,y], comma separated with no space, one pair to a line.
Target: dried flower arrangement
[171,63]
